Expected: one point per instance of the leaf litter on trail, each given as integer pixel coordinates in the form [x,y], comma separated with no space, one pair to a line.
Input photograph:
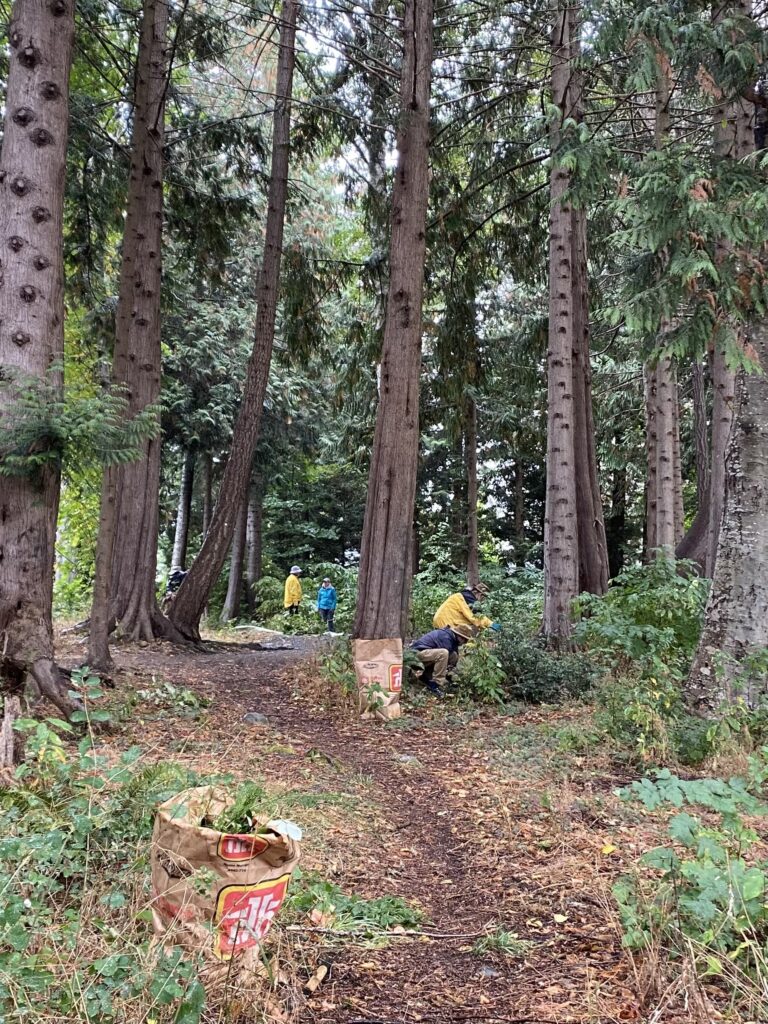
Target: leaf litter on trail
[482,840]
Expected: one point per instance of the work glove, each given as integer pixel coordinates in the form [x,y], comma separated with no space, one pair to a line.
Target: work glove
[496,627]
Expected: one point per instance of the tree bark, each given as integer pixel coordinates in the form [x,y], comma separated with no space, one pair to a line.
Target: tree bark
[732,141]
[519,516]
[473,554]
[736,621]
[235,587]
[253,530]
[677,466]
[616,522]
[561,547]
[136,361]
[32,169]
[701,432]
[181,536]
[386,549]
[593,547]
[207,492]
[693,546]
[193,593]
[101,622]
[723,397]
[651,462]
[666,398]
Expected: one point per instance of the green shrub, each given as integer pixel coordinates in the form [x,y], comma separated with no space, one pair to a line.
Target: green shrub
[704,896]
[480,671]
[75,925]
[338,667]
[538,675]
[649,621]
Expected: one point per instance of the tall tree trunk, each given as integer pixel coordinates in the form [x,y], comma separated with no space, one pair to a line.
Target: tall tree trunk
[736,618]
[732,141]
[736,621]
[101,622]
[32,167]
[235,587]
[181,536]
[694,544]
[666,399]
[651,462]
[593,548]
[136,362]
[207,492]
[561,547]
[193,593]
[723,397]
[659,444]
[473,554]
[253,533]
[386,550]
[519,514]
[677,465]
[616,522]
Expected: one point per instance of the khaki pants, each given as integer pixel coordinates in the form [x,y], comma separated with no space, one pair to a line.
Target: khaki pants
[439,662]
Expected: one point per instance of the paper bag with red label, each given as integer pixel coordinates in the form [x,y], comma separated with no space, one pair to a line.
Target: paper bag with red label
[213,891]
[379,671]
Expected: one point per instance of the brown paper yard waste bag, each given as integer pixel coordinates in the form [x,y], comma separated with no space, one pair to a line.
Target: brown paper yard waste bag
[212,890]
[379,672]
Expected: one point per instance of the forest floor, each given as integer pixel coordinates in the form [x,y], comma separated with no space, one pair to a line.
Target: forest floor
[503,828]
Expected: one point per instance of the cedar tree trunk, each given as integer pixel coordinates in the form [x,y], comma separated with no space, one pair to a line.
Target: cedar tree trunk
[694,544]
[651,438]
[723,388]
[616,522]
[386,549]
[666,401]
[473,556]
[561,543]
[207,492]
[231,605]
[733,140]
[193,593]
[132,562]
[593,547]
[32,168]
[181,536]
[253,533]
[519,514]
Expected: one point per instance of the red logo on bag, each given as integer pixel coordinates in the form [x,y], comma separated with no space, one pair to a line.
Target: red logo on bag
[395,678]
[244,914]
[238,847]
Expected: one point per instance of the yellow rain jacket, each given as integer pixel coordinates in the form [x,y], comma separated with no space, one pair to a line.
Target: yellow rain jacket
[292,591]
[455,611]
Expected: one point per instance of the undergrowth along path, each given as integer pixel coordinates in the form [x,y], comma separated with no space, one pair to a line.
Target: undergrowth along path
[495,834]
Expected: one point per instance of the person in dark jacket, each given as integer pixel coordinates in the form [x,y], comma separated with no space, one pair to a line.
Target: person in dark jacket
[436,649]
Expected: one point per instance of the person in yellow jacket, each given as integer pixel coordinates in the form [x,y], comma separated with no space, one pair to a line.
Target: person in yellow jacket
[457,610]
[292,598]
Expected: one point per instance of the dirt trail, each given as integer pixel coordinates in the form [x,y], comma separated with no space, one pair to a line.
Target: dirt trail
[473,843]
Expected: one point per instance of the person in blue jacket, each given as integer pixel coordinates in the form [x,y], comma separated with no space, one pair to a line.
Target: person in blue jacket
[326,603]
[439,648]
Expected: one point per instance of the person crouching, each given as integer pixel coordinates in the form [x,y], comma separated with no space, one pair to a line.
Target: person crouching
[437,650]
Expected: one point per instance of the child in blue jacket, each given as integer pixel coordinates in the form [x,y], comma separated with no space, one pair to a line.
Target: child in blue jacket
[326,604]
